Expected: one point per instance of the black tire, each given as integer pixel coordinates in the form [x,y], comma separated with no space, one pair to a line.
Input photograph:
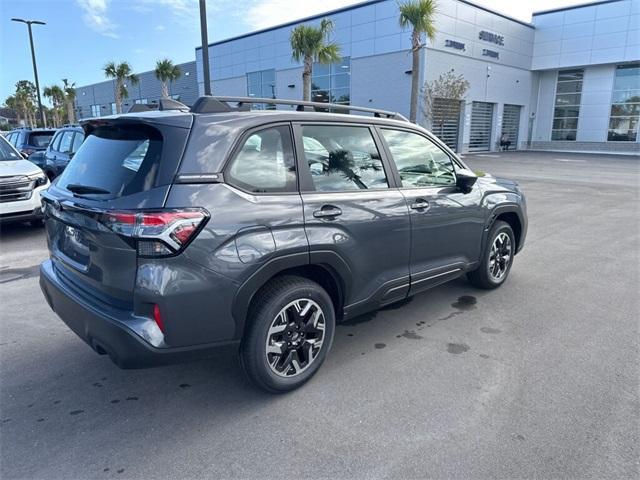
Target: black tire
[269,371]
[483,276]
[37,223]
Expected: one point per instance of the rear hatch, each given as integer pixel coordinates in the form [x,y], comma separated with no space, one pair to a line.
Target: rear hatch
[125,165]
[38,141]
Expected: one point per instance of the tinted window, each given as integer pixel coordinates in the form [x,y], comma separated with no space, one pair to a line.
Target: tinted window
[77,141]
[55,144]
[265,162]
[420,162]
[65,142]
[122,161]
[6,152]
[12,138]
[342,158]
[40,139]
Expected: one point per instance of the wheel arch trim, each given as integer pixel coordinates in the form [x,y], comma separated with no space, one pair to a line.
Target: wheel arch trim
[499,210]
[329,260]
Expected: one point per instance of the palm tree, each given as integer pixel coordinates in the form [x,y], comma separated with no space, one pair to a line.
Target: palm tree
[121,72]
[25,96]
[12,102]
[311,44]
[166,72]
[69,98]
[419,15]
[57,97]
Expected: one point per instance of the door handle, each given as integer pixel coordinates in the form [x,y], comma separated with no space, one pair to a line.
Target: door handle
[327,211]
[420,204]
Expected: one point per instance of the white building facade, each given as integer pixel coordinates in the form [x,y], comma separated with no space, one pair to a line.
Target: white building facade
[570,80]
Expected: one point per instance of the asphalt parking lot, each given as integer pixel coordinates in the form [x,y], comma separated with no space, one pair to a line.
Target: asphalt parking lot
[539,379]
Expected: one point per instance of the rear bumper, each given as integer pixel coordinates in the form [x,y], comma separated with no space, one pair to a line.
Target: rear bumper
[110,333]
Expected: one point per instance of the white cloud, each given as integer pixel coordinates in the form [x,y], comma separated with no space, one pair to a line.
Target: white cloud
[160,28]
[95,16]
[267,13]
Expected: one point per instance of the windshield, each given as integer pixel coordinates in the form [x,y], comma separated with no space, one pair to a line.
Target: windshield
[7,153]
[115,161]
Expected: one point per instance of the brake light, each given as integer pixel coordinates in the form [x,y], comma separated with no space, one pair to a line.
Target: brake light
[158,317]
[159,233]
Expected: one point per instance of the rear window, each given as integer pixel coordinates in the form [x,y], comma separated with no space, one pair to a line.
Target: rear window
[40,139]
[119,160]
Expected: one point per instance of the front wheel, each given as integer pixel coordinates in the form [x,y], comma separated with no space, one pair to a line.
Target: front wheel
[290,331]
[497,257]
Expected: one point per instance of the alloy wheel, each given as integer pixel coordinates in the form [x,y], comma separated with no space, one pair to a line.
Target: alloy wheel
[500,256]
[295,337]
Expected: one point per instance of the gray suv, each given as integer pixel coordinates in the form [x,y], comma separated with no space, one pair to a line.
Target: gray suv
[173,232]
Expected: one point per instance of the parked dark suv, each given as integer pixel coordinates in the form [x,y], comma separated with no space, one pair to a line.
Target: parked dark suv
[30,140]
[173,232]
[61,150]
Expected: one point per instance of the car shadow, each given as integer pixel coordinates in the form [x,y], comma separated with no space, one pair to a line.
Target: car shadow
[59,378]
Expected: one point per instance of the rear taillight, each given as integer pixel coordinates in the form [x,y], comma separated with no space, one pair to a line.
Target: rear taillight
[158,233]
[158,317]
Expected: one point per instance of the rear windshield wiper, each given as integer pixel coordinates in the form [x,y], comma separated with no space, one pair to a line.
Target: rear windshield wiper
[77,188]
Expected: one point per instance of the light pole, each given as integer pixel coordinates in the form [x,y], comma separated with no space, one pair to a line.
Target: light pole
[205,46]
[33,59]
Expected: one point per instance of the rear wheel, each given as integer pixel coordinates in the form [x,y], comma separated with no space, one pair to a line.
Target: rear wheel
[497,258]
[290,331]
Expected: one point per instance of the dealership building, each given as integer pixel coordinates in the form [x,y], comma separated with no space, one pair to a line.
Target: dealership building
[569,80]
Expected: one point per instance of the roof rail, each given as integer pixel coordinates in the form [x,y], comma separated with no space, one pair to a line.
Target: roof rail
[210,104]
[163,104]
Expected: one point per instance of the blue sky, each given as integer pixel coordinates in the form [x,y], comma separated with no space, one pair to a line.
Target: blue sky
[82,35]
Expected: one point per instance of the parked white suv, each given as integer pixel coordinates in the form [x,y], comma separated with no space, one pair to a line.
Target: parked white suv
[21,183]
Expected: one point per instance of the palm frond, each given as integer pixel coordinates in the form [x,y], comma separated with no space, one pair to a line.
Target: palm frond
[419,15]
[312,42]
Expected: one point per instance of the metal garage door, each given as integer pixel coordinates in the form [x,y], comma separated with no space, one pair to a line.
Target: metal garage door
[446,121]
[481,123]
[511,123]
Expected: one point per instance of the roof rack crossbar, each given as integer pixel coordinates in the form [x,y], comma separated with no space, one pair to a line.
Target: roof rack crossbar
[215,104]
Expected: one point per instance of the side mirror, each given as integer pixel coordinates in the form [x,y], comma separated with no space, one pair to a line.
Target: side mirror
[465,179]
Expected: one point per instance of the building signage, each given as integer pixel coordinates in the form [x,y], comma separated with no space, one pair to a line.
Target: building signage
[454,44]
[491,37]
[490,53]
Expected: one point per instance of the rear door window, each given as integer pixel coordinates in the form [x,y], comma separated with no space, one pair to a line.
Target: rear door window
[118,160]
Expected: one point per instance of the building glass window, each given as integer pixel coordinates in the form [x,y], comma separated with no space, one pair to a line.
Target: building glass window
[262,85]
[625,104]
[567,107]
[332,83]
[141,100]
[114,109]
[95,110]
